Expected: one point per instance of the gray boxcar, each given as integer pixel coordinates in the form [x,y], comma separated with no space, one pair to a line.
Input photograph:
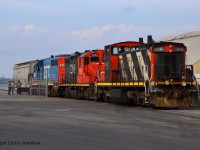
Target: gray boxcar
[23,72]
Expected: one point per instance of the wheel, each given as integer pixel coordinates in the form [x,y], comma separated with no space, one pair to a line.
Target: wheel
[105,98]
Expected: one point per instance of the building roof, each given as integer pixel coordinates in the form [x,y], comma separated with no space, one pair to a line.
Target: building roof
[192,41]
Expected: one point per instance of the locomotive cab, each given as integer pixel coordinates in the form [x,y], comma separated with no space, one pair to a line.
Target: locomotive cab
[168,61]
[119,72]
[172,82]
[91,67]
[112,53]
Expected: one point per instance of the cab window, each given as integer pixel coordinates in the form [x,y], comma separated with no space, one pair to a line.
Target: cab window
[94,59]
[114,50]
[134,48]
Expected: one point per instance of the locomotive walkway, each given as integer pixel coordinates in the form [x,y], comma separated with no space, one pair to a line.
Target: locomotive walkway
[34,123]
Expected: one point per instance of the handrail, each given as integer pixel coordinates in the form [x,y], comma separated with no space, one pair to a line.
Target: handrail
[197,84]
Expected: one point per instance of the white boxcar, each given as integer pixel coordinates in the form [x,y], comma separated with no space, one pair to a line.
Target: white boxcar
[23,72]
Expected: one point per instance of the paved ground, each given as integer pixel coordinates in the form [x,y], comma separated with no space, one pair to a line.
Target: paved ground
[65,124]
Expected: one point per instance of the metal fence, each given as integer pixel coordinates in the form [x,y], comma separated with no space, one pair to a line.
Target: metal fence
[39,87]
[24,87]
[39,84]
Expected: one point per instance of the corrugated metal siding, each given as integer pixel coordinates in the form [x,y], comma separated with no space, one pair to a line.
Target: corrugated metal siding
[22,70]
[197,67]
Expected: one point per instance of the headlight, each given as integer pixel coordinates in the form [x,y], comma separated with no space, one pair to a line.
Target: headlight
[180,49]
[153,83]
[183,83]
[166,82]
[158,49]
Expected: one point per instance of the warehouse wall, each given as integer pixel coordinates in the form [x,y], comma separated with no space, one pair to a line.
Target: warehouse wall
[197,67]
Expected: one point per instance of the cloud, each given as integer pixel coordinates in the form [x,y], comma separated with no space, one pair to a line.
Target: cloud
[14,28]
[121,32]
[111,32]
[29,27]
[93,33]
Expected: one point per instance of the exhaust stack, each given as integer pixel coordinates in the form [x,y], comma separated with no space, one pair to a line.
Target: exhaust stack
[150,41]
[141,43]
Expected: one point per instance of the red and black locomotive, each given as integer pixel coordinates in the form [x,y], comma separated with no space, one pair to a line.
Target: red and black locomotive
[152,74]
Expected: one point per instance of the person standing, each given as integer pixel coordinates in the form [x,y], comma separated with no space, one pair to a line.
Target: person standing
[12,87]
[18,85]
[9,87]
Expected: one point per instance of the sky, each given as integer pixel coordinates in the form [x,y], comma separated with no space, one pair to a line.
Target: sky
[37,29]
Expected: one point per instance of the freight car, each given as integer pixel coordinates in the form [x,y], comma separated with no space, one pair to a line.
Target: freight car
[23,73]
